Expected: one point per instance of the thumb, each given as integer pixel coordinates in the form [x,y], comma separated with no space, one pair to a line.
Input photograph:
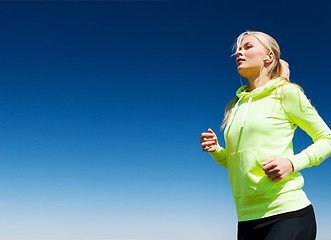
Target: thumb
[210,131]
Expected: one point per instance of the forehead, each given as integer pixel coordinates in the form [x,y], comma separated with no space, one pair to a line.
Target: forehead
[251,39]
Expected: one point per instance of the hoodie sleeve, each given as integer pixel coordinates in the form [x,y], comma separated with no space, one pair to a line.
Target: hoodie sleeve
[302,113]
[220,156]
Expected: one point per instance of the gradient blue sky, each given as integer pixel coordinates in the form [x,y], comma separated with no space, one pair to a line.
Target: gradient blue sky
[102,105]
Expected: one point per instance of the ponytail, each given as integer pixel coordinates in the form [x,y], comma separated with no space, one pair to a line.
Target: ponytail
[284,70]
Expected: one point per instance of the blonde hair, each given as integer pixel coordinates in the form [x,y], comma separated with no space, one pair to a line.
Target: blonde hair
[277,68]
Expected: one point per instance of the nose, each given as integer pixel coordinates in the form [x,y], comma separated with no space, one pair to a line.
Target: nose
[239,53]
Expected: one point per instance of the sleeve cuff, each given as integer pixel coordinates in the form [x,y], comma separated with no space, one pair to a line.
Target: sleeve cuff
[217,151]
[300,161]
[220,156]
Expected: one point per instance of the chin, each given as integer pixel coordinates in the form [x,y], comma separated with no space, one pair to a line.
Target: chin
[241,71]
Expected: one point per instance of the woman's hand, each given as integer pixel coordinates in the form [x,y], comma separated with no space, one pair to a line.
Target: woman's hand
[277,168]
[208,141]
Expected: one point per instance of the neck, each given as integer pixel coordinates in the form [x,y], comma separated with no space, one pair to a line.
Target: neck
[257,81]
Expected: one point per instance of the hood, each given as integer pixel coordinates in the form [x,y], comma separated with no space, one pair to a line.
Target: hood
[260,91]
[242,93]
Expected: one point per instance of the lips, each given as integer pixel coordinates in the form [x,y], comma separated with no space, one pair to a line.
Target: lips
[239,60]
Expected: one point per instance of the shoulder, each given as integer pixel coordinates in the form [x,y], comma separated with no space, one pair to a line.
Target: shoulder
[291,87]
[291,91]
[294,98]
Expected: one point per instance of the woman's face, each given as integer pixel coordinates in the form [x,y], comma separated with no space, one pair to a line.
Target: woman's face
[250,56]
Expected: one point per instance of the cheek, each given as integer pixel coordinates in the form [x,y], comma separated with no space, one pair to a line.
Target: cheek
[255,58]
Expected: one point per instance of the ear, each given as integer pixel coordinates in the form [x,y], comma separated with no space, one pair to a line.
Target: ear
[270,57]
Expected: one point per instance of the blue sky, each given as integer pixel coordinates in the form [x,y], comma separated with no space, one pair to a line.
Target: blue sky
[103,103]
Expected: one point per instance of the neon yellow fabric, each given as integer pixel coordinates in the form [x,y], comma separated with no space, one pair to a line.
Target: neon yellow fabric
[261,126]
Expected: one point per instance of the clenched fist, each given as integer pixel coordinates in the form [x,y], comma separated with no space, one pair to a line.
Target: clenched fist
[208,141]
[277,168]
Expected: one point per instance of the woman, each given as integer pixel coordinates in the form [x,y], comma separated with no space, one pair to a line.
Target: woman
[260,123]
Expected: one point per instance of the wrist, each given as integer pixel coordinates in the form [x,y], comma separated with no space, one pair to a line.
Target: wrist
[292,167]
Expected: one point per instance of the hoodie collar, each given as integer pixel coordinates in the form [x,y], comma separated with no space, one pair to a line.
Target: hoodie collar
[242,92]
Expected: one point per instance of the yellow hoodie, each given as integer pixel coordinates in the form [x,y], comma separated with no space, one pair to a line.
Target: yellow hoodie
[261,126]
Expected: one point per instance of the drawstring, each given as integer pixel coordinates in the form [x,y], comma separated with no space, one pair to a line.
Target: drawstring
[246,111]
[234,111]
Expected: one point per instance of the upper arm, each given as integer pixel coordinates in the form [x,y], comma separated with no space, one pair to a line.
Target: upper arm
[300,112]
